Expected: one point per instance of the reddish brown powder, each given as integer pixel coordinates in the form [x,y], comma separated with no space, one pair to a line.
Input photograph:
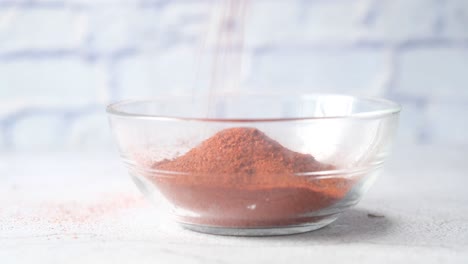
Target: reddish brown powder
[242,178]
[75,218]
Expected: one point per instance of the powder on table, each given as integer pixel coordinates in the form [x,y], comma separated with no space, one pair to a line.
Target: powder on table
[242,178]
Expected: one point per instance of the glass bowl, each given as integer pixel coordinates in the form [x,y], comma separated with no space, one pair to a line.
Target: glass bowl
[254,165]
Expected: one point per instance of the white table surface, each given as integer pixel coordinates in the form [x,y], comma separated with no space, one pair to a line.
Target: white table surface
[82,208]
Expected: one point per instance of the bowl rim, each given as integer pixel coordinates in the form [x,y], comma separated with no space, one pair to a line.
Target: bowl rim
[391,108]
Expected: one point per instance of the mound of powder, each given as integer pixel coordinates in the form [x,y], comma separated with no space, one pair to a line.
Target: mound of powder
[240,177]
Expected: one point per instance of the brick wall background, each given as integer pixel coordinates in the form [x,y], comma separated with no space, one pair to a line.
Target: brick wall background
[62,61]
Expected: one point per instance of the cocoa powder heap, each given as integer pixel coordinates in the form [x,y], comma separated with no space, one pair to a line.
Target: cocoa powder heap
[242,178]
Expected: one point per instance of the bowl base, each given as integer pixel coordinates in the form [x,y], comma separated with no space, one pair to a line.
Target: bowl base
[261,231]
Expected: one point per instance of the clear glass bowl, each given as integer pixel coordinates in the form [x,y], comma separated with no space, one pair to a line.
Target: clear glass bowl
[351,135]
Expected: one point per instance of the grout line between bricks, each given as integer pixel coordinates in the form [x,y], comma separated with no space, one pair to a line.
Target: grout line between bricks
[45,5]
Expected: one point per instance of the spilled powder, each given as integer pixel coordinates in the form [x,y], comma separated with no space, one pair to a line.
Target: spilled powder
[75,212]
[69,216]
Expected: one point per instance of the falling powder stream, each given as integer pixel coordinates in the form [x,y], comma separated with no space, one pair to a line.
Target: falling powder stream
[227,28]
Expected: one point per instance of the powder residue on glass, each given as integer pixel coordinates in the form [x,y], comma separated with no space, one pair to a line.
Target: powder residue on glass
[240,177]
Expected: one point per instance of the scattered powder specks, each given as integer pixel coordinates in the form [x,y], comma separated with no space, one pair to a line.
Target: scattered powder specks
[67,218]
[76,212]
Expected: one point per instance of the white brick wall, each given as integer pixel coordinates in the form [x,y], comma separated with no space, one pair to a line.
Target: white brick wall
[394,21]
[41,29]
[434,72]
[51,81]
[456,14]
[319,71]
[146,75]
[447,122]
[62,61]
[2,140]
[301,22]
